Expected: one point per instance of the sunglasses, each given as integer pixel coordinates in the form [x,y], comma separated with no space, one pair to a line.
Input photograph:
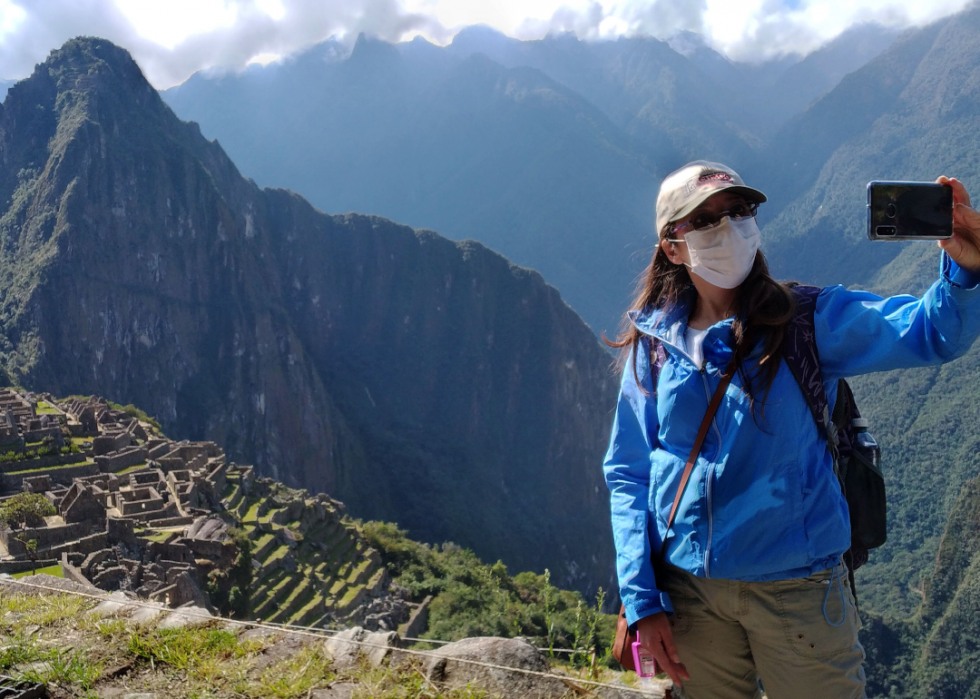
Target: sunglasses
[708,219]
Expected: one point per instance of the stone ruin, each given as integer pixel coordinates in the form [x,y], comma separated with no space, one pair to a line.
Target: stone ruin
[150,516]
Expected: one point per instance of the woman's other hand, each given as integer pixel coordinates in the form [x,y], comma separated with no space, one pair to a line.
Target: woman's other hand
[655,635]
[964,246]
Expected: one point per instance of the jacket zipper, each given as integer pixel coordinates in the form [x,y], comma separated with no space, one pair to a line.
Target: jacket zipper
[709,472]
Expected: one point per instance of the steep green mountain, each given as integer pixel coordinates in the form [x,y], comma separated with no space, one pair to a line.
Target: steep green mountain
[935,653]
[802,83]
[463,146]
[422,381]
[910,114]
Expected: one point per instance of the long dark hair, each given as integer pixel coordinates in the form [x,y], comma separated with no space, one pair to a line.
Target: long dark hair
[763,307]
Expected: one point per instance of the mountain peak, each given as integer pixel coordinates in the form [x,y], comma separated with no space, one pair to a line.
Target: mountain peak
[372,51]
[94,58]
[480,38]
[482,32]
[85,67]
[686,42]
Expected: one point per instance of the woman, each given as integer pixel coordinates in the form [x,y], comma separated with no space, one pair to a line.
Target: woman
[751,584]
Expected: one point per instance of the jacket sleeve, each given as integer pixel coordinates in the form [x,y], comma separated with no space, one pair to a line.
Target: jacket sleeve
[858,332]
[627,472]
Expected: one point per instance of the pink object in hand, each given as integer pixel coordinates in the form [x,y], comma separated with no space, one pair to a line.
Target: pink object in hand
[643,661]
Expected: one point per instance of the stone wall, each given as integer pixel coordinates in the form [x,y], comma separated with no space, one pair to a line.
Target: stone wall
[158,450]
[72,572]
[41,462]
[12,482]
[39,434]
[108,443]
[85,544]
[123,458]
[135,502]
[173,521]
[46,537]
[12,567]
[418,623]
[120,530]
[171,463]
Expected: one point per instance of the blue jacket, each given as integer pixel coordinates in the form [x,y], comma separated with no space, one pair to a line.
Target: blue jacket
[762,502]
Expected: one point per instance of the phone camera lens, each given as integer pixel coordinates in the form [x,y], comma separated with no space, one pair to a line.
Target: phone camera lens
[890,211]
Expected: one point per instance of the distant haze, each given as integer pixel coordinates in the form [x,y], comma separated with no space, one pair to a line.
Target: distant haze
[172,40]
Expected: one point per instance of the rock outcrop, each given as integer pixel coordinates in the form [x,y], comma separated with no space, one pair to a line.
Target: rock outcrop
[419,380]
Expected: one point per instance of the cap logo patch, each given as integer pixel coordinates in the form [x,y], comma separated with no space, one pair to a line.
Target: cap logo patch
[715,177]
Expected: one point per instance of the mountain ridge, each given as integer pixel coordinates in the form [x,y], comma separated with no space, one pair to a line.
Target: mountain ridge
[135,258]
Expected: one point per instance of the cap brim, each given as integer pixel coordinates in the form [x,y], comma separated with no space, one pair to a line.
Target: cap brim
[753,195]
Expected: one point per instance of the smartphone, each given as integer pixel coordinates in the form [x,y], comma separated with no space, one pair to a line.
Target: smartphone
[909,211]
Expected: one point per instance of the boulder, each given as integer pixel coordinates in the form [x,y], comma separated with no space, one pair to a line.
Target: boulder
[448,666]
[346,647]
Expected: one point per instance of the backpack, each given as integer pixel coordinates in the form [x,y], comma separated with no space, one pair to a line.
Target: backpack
[856,458]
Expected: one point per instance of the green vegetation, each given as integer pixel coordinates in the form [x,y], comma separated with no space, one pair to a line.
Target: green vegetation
[44,662]
[131,469]
[46,469]
[54,570]
[25,509]
[37,452]
[471,598]
[44,408]
[230,591]
[138,413]
[52,639]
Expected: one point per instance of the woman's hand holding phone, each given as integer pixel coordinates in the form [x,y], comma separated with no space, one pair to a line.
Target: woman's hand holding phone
[657,638]
[964,246]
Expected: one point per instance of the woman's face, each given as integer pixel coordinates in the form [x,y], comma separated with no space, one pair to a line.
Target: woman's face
[709,210]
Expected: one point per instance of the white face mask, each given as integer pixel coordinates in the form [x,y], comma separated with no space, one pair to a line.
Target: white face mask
[724,253]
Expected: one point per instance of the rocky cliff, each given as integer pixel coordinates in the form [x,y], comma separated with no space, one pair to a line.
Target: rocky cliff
[417,379]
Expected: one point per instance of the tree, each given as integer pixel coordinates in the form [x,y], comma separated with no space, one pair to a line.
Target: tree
[31,546]
[25,509]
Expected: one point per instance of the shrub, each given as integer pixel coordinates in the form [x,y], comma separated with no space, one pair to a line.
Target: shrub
[471,598]
[28,509]
[138,413]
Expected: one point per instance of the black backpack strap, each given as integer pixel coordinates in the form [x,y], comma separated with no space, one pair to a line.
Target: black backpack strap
[800,355]
[658,355]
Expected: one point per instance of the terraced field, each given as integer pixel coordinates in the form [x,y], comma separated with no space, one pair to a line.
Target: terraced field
[314,568]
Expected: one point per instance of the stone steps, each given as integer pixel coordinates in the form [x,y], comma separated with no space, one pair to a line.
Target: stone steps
[236,499]
[363,572]
[338,573]
[250,513]
[303,592]
[262,594]
[313,610]
[353,597]
[277,594]
[263,585]
[264,545]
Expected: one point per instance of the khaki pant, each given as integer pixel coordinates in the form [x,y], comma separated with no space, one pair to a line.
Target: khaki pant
[731,634]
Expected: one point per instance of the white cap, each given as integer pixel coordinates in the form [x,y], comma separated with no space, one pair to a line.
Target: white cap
[684,190]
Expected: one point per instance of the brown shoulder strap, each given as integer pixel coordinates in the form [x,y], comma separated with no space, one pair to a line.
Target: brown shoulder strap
[696,449]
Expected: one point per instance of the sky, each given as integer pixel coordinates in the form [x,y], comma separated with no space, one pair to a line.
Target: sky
[172,39]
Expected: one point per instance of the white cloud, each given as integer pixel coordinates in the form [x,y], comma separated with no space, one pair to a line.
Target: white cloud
[171,39]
